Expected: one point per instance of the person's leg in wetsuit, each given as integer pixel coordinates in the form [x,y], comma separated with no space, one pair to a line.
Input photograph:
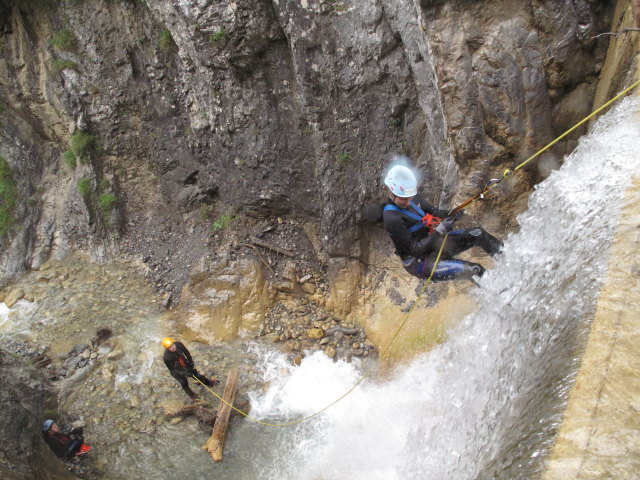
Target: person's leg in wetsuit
[448,269]
[460,240]
[203,379]
[182,379]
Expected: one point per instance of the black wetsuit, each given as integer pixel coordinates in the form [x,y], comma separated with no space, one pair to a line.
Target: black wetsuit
[181,366]
[418,249]
[64,445]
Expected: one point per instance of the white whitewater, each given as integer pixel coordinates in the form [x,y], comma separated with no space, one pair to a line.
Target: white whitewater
[487,402]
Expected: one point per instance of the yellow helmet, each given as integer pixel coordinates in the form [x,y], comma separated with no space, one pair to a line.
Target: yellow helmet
[167,342]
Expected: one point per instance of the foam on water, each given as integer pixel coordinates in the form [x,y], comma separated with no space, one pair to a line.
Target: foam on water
[487,402]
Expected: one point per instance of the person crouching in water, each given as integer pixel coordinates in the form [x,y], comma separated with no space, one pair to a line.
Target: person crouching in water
[407,220]
[64,444]
[180,364]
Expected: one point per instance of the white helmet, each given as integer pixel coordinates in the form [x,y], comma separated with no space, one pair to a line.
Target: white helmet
[401,181]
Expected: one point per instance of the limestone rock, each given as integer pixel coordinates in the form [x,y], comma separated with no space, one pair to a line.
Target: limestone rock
[14,296]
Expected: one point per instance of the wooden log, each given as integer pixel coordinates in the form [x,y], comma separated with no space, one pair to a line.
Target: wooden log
[270,246]
[215,444]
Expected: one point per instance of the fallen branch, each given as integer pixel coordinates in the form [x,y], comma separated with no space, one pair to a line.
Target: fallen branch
[215,444]
[262,243]
[344,330]
[260,257]
[615,34]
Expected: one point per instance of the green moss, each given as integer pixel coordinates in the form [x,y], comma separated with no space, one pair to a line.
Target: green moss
[69,158]
[64,40]
[8,197]
[205,211]
[81,144]
[59,65]
[84,187]
[343,159]
[221,222]
[218,36]
[107,201]
[166,42]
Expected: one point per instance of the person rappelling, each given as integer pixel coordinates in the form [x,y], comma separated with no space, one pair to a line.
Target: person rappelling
[181,366]
[418,229]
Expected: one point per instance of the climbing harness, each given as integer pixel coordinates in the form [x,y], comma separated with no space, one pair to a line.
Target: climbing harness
[424,219]
[490,185]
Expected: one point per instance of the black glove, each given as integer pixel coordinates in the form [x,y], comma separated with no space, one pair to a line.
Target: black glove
[445,226]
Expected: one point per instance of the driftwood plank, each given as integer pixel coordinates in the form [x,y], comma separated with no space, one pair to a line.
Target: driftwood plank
[215,444]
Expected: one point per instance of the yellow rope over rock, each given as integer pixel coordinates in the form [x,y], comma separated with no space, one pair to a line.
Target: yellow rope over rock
[406,318]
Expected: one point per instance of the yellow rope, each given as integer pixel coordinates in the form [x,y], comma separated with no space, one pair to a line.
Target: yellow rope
[509,171]
[300,420]
[585,119]
[504,175]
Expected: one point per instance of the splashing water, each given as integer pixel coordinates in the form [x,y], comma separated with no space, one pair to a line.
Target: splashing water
[486,403]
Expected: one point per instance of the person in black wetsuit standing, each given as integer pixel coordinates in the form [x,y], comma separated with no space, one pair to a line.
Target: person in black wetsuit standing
[180,364]
[417,231]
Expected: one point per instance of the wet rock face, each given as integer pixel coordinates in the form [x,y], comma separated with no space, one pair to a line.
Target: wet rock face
[22,398]
[270,109]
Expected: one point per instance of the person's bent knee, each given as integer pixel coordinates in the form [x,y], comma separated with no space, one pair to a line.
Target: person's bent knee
[415,267]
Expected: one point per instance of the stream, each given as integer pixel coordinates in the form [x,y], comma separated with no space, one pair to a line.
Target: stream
[485,404]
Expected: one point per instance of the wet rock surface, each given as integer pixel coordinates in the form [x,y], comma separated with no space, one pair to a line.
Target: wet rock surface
[91,335]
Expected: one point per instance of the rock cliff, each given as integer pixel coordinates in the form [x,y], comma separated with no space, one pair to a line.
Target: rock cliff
[133,127]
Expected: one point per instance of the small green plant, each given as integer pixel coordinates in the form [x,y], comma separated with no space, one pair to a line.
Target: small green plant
[205,210]
[165,42]
[64,40]
[343,158]
[107,201]
[8,197]
[84,187]
[340,7]
[221,222]
[104,184]
[218,36]
[81,144]
[58,65]
[69,158]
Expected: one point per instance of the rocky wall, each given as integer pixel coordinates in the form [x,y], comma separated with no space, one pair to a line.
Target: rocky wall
[200,111]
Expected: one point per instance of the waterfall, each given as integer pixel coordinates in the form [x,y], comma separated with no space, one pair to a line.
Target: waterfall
[487,402]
